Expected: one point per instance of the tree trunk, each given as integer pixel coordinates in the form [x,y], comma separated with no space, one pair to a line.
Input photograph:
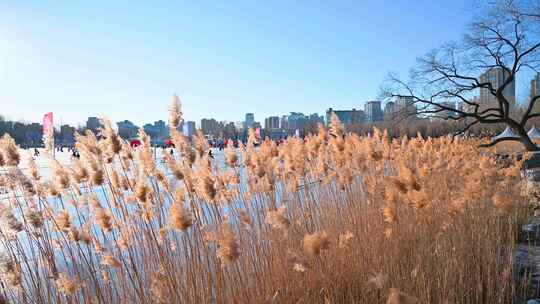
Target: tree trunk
[526,140]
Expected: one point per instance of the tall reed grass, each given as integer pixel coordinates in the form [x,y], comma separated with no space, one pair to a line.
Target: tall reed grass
[332,218]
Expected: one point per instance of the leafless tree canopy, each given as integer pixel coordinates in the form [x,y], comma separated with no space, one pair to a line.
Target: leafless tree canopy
[505,37]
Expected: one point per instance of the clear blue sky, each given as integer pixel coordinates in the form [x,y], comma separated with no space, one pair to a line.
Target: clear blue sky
[223,58]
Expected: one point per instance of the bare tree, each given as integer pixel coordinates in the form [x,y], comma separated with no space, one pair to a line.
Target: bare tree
[505,39]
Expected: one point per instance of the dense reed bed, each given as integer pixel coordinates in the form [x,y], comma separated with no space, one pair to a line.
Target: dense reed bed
[332,218]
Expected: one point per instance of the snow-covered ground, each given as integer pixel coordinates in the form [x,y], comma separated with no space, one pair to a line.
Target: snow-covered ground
[43,161]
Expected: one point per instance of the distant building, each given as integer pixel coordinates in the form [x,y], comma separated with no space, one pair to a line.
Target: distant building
[33,134]
[257,125]
[209,126]
[405,107]
[284,122]
[296,121]
[461,106]
[404,101]
[447,113]
[229,130]
[535,86]
[389,110]
[67,134]
[149,130]
[161,129]
[497,77]
[465,107]
[249,121]
[316,119]
[271,123]
[161,126]
[373,111]
[190,129]
[93,123]
[126,129]
[271,127]
[158,131]
[346,117]
[239,125]
[535,91]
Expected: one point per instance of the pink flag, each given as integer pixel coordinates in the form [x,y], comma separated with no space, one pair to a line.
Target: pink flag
[47,122]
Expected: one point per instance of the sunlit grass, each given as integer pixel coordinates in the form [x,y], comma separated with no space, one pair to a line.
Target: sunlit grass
[333,218]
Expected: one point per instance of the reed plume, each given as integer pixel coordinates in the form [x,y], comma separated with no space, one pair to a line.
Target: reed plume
[175,113]
[179,216]
[332,216]
[315,242]
[228,248]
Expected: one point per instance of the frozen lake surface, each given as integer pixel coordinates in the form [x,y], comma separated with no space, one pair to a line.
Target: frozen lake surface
[65,158]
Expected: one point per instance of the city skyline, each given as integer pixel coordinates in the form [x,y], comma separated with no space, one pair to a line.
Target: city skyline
[370,113]
[217,58]
[274,127]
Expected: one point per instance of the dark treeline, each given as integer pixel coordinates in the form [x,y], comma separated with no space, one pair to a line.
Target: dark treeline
[30,134]
[432,128]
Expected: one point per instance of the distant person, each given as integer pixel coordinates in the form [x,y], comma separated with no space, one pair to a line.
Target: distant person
[36,152]
[210,154]
[172,151]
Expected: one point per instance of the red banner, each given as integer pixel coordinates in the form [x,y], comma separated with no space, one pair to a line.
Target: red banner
[48,122]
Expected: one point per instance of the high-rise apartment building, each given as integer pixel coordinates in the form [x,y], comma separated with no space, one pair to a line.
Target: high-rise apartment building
[296,121]
[250,120]
[284,122]
[497,77]
[209,126]
[447,113]
[373,111]
[314,118]
[405,107]
[346,117]
[535,86]
[535,91]
[239,125]
[271,123]
[93,123]
[126,129]
[157,131]
[389,110]
[190,129]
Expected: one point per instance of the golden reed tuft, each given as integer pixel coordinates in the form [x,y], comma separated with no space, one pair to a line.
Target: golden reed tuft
[303,221]
[315,242]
